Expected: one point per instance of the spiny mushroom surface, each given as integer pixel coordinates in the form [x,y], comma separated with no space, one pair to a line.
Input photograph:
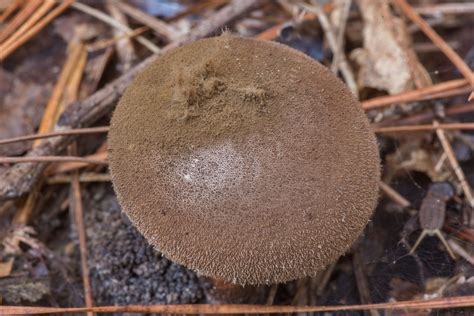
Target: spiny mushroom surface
[244,160]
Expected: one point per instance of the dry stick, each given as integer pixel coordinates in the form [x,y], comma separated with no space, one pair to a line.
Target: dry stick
[426,115]
[5,51]
[124,47]
[71,94]
[83,177]
[95,69]
[437,40]
[50,159]
[162,29]
[461,251]
[195,309]
[19,179]
[197,8]
[111,41]
[360,274]
[454,163]
[414,95]
[114,23]
[447,94]
[340,36]
[71,166]
[50,116]
[76,202]
[12,7]
[343,64]
[76,131]
[394,195]
[53,108]
[325,278]
[422,128]
[19,18]
[446,8]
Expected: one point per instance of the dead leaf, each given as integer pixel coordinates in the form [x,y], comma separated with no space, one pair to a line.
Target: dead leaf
[413,155]
[387,62]
[20,233]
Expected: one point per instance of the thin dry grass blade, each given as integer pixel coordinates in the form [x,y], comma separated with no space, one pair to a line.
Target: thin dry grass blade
[77,131]
[414,95]
[422,128]
[189,309]
[19,18]
[12,7]
[7,49]
[437,40]
[51,159]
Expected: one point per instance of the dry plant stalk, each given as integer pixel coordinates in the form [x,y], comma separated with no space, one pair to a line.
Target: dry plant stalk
[10,9]
[77,131]
[75,198]
[83,177]
[422,128]
[114,23]
[437,40]
[394,195]
[161,29]
[415,95]
[18,20]
[124,47]
[32,20]
[454,163]
[343,65]
[66,166]
[7,48]
[82,160]
[111,41]
[196,309]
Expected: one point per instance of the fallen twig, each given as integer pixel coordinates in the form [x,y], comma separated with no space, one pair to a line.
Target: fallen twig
[50,159]
[422,128]
[425,116]
[437,40]
[10,9]
[454,163]
[414,95]
[83,177]
[194,309]
[331,38]
[19,19]
[76,131]
[112,22]
[6,50]
[162,29]
[76,203]
[446,8]
[394,195]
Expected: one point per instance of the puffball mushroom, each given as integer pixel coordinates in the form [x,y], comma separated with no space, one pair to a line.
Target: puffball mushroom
[244,160]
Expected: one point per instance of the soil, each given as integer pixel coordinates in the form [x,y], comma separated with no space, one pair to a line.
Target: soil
[124,269]
[207,161]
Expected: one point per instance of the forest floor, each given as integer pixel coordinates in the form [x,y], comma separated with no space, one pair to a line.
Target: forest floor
[64,241]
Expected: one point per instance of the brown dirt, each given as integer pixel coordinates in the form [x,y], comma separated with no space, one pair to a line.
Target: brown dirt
[244,160]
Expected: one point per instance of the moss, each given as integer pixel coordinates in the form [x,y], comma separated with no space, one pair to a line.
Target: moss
[244,160]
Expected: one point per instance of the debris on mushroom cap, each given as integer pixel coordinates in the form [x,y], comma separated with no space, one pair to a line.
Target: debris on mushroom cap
[244,160]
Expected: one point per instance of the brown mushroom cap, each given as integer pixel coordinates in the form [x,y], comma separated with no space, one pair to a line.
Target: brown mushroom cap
[244,160]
